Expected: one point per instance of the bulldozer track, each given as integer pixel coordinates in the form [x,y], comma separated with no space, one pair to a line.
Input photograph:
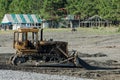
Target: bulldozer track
[84,65]
[4,65]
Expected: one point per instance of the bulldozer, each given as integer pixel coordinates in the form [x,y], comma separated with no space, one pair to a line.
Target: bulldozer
[31,47]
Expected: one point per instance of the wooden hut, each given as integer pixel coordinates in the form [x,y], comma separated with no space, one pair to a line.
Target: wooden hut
[94,21]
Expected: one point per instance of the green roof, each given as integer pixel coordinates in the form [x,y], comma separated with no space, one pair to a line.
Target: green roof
[21,18]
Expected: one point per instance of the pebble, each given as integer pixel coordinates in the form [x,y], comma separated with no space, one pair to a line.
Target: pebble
[20,75]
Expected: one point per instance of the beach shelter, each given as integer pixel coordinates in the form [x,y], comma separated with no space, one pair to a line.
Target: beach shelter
[21,20]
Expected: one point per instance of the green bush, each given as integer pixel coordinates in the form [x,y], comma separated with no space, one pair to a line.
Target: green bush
[62,27]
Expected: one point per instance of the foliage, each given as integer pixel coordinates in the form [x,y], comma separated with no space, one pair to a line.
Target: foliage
[50,9]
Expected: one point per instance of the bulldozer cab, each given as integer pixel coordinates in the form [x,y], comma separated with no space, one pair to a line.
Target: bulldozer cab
[25,38]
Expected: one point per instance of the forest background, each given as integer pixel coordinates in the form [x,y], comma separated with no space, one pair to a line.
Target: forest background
[47,9]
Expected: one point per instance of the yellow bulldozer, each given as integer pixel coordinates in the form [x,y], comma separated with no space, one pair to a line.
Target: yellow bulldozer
[29,48]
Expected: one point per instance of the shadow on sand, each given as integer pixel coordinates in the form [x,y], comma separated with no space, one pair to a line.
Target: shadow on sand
[90,67]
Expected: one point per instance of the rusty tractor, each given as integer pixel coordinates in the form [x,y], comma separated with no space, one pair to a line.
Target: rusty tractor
[29,48]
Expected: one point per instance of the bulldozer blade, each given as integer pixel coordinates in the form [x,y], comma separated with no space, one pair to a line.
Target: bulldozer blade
[79,62]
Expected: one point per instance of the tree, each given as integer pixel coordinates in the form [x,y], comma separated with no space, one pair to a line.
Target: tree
[4,7]
[108,9]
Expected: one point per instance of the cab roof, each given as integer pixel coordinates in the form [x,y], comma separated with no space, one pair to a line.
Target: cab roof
[27,30]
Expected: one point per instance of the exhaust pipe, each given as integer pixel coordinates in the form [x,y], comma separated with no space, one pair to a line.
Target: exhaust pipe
[41,35]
